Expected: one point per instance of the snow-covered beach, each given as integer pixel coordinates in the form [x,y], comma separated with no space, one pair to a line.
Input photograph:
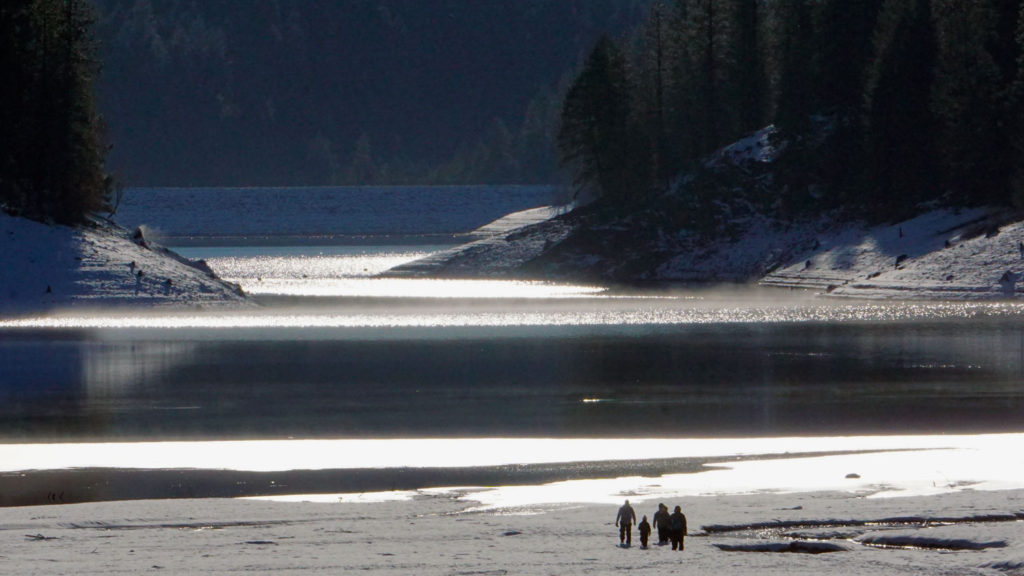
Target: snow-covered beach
[934,511]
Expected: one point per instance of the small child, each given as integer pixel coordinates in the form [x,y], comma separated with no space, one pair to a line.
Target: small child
[645,532]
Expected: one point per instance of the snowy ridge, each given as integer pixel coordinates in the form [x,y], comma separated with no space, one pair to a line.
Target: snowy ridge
[47,267]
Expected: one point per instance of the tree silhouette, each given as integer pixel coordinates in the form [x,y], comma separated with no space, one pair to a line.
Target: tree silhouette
[595,136]
[52,143]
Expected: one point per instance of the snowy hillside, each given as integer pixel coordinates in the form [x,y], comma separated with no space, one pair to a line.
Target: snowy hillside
[502,246]
[941,254]
[49,267]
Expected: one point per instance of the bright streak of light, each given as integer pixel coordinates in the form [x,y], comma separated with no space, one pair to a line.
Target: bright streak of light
[621,312]
[416,288]
[897,465]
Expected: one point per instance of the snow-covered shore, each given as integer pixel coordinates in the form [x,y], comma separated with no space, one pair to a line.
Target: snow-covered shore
[439,532]
[911,505]
[975,254]
[944,254]
[54,267]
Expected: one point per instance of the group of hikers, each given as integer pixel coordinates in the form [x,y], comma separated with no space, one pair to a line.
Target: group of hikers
[671,527]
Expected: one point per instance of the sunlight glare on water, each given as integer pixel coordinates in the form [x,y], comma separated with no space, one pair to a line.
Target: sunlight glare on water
[417,288]
[355,274]
[620,311]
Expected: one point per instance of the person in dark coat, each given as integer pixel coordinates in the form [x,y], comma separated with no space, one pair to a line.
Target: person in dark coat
[661,523]
[645,532]
[678,523]
[625,520]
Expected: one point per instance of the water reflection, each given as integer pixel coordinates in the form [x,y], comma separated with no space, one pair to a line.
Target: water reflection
[663,380]
[110,370]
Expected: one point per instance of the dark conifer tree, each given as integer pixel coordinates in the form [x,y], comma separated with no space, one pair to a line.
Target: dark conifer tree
[967,99]
[900,124]
[842,47]
[17,66]
[794,60]
[680,93]
[1014,118]
[651,58]
[52,146]
[595,138]
[750,86]
[710,38]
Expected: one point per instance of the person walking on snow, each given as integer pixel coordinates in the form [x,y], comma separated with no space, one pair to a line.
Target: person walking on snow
[661,523]
[645,532]
[678,523]
[625,520]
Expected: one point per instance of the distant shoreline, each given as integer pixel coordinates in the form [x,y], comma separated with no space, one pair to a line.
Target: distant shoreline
[297,240]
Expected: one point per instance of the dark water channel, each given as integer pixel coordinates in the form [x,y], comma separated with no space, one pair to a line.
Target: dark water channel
[754,379]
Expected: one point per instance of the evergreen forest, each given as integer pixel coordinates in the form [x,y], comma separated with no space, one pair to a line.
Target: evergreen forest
[52,139]
[885,105]
[349,92]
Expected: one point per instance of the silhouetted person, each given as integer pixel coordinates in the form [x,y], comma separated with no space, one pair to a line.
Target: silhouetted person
[625,520]
[678,523]
[645,532]
[661,522]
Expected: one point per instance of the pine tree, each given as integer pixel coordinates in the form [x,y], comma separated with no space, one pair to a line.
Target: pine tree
[795,70]
[595,137]
[710,37]
[1014,119]
[52,147]
[842,46]
[899,120]
[682,113]
[749,87]
[651,61]
[967,99]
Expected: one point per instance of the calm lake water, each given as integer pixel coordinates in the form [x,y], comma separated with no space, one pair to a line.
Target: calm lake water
[340,354]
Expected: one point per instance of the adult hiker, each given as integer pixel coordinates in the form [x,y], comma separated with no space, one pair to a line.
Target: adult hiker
[678,523]
[625,520]
[661,523]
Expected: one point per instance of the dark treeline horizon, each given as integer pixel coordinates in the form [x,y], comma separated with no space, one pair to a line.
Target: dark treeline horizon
[268,92]
[884,105]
